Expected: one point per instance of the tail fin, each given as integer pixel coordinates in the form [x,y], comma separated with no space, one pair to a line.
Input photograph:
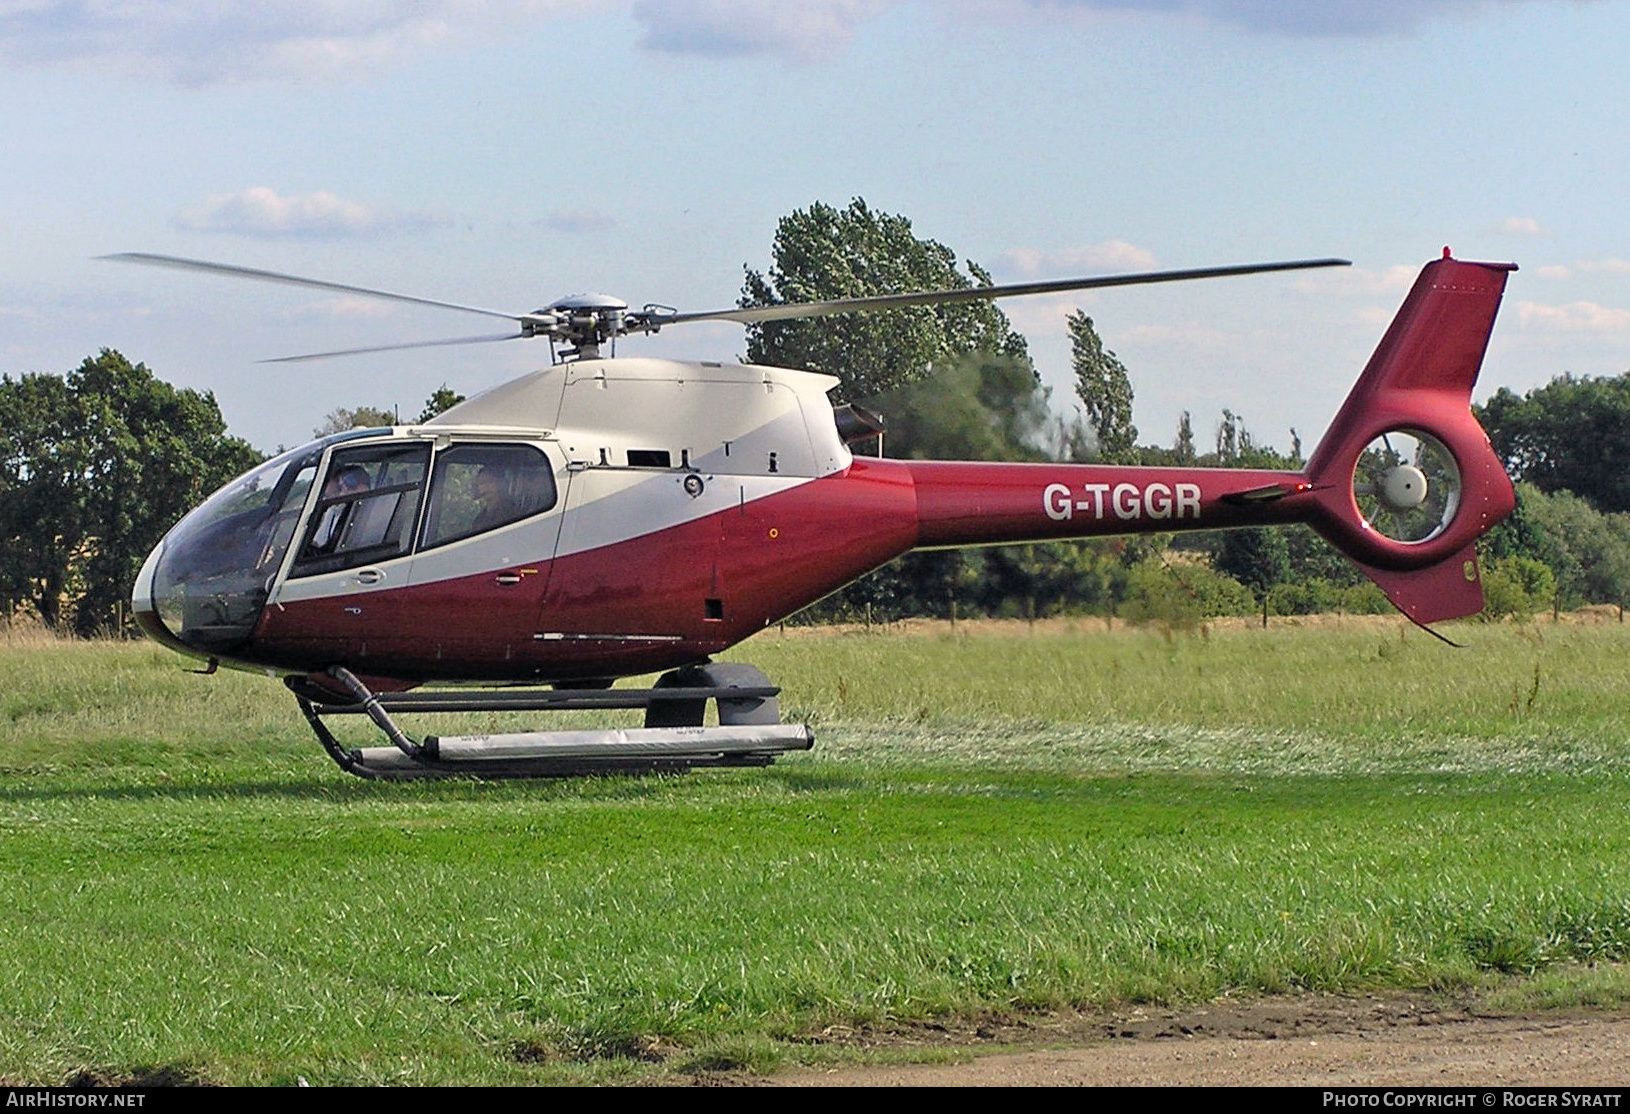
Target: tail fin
[1424,506]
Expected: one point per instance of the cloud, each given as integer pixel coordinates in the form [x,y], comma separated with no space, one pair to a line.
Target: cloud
[815,30]
[1366,296]
[1362,282]
[264,212]
[579,221]
[1041,314]
[1575,317]
[1295,17]
[204,42]
[809,31]
[1108,255]
[1523,226]
[1583,267]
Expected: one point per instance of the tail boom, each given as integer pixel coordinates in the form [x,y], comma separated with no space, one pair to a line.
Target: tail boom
[964,503]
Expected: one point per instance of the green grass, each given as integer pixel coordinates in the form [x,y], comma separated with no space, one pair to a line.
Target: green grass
[997,821]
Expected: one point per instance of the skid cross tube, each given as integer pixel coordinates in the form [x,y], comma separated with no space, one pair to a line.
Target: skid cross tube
[370,704]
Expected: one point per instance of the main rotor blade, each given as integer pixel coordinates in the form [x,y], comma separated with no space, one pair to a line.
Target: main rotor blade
[392,348]
[752,315]
[180,264]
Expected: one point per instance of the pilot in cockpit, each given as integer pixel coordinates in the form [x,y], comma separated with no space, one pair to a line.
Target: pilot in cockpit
[351,479]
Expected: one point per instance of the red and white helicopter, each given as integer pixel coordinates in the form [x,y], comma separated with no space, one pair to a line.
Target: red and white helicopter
[605,518]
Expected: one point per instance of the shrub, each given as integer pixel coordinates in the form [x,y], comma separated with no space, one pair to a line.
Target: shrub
[1181,595]
[1516,586]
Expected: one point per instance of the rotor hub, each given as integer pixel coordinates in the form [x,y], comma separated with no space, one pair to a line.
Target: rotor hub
[584,321]
[1404,487]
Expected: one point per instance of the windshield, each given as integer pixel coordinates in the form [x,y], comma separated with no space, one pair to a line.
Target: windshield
[218,563]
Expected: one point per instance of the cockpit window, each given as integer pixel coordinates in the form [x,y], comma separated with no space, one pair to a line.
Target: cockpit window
[477,488]
[367,509]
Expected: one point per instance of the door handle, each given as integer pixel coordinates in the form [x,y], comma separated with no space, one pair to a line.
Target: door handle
[509,579]
[370,576]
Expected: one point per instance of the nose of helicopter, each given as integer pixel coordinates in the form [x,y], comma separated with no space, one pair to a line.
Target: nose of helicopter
[198,594]
[201,591]
[145,611]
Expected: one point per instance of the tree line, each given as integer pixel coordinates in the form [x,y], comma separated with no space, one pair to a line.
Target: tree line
[97,464]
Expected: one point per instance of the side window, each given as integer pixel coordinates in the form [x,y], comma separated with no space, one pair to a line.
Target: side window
[367,510]
[477,488]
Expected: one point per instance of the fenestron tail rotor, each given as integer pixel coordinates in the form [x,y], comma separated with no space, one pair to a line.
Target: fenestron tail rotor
[583,322]
[1407,485]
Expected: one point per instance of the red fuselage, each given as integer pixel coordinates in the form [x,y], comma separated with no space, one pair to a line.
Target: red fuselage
[661,600]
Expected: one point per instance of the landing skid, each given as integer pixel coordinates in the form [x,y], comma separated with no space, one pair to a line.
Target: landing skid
[750,731]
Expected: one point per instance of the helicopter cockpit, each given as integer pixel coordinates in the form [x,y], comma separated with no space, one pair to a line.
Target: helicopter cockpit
[208,581]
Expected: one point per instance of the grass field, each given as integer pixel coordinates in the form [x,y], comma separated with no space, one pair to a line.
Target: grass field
[999,818]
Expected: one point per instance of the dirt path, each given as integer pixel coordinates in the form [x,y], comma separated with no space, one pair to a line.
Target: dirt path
[1304,1041]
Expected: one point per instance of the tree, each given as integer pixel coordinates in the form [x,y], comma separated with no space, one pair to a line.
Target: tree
[442,399]
[1183,450]
[43,460]
[1237,447]
[1268,560]
[1105,391]
[341,419]
[1233,439]
[1180,596]
[823,253]
[1516,587]
[983,399]
[1258,557]
[95,467]
[981,406]
[952,382]
[1588,552]
[1573,434]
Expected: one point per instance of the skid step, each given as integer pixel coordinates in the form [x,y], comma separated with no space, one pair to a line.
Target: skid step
[750,731]
[541,753]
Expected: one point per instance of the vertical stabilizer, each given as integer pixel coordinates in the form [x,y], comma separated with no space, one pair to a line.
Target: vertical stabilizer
[1409,516]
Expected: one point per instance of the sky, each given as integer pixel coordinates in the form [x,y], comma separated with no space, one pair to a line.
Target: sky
[507,152]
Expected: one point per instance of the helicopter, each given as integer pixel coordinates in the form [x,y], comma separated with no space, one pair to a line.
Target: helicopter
[605,518]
